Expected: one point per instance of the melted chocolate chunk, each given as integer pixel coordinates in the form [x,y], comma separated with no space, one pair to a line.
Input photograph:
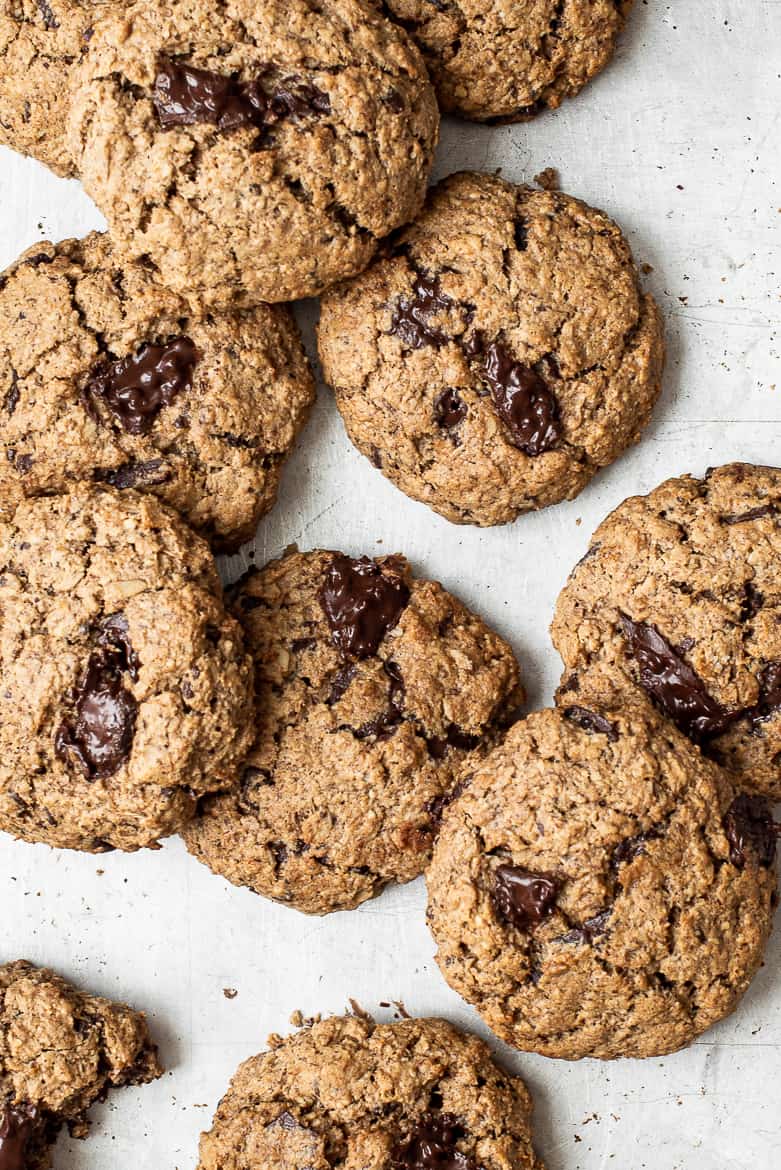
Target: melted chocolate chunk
[184,95]
[753,514]
[410,318]
[136,388]
[769,693]
[438,804]
[751,831]
[523,898]
[589,930]
[18,1125]
[675,687]
[99,734]
[361,603]
[591,721]
[432,1146]
[450,409]
[522,400]
[138,473]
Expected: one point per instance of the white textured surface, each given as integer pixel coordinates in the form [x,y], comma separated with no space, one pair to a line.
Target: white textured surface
[679,141]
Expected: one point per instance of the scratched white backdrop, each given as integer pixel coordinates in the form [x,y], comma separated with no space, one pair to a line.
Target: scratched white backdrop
[679,141]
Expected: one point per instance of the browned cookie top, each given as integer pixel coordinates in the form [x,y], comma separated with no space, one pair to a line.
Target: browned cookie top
[679,594]
[255,149]
[346,1093]
[496,62]
[106,376]
[60,1051]
[600,888]
[373,688]
[500,352]
[126,691]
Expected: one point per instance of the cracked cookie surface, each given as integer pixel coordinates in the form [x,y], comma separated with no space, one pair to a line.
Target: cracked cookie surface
[106,376]
[494,62]
[347,1093]
[253,151]
[372,690]
[679,594]
[126,692]
[41,41]
[600,888]
[499,355]
[60,1051]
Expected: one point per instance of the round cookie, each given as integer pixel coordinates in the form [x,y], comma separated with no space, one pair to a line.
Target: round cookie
[373,689]
[600,889]
[40,43]
[499,354]
[679,593]
[255,151]
[126,691]
[105,376]
[505,63]
[60,1051]
[348,1093]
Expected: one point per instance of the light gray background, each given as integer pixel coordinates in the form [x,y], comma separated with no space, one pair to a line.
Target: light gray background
[679,141]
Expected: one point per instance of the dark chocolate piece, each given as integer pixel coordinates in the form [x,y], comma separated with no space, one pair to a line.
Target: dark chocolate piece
[361,603]
[589,930]
[523,401]
[136,388]
[631,847]
[450,409]
[18,1126]
[432,1146]
[410,318]
[591,721]
[751,831]
[523,898]
[752,514]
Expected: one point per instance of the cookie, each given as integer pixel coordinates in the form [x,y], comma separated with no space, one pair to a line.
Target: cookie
[494,63]
[126,692]
[348,1093]
[41,42]
[373,689]
[600,888]
[60,1051]
[255,151]
[498,355]
[107,377]
[679,594]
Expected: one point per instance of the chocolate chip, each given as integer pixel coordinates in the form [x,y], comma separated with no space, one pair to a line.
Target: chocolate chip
[394,101]
[589,930]
[136,388]
[23,463]
[438,804]
[137,473]
[753,600]
[11,400]
[522,400]
[752,514]
[184,96]
[340,683]
[454,737]
[523,898]
[361,602]
[751,831]
[432,1146]
[376,458]
[99,734]
[591,721]
[521,235]
[674,685]
[410,318]
[450,410]
[384,725]
[18,1126]
[49,19]
[631,847]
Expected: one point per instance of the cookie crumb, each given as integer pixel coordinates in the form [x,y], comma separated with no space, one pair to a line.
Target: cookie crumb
[548,179]
[229,992]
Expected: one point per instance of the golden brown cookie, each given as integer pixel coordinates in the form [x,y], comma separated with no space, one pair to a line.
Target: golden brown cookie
[60,1051]
[347,1093]
[373,689]
[126,691]
[499,354]
[107,377]
[600,888]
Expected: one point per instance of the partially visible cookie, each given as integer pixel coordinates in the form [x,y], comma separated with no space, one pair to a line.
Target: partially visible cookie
[126,691]
[600,888]
[679,593]
[499,354]
[41,41]
[256,150]
[505,63]
[105,376]
[60,1051]
[347,1093]
[373,690]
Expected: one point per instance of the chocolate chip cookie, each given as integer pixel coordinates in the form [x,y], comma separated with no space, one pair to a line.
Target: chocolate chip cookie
[107,377]
[40,43]
[506,63]
[346,1093]
[256,150]
[373,688]
[126,692]
[499,354]
[60,1051]
[679,594]
[600,888]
